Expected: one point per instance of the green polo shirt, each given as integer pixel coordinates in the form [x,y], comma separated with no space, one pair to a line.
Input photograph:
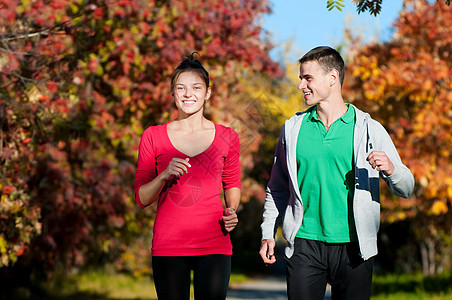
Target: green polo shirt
[326,178]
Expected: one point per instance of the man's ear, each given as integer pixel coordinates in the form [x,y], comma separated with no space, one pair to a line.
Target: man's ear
[334,77]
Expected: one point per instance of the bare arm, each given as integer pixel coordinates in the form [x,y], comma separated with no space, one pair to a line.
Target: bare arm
[232,198]
[150,191]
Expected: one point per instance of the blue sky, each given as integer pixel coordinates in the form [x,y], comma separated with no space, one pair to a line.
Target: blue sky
[308,23]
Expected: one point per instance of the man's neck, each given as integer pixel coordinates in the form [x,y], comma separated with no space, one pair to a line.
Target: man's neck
[328,112]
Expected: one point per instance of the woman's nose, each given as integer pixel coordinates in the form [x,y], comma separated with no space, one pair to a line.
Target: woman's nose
[188,93]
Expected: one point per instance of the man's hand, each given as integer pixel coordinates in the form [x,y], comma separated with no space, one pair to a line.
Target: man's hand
[267,251]
[380,162]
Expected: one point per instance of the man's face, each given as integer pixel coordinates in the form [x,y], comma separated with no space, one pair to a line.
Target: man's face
[314,83]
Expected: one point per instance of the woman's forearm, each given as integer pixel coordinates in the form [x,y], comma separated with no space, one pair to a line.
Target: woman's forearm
[232,197]
[150,191]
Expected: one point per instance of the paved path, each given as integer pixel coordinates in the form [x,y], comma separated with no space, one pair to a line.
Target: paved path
[270,287]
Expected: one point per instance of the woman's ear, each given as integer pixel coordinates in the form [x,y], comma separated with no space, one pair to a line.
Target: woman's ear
[208,93]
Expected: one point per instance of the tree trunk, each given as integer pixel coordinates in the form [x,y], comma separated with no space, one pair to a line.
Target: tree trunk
[431,256]
[424,257]
[428,256]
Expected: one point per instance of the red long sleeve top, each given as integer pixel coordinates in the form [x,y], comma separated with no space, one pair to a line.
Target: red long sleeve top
[190,210]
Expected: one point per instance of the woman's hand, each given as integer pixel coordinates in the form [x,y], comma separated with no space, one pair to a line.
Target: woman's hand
[176,168]
[150,192]
[230,219]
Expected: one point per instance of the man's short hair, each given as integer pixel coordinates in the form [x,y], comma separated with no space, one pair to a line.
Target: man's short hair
[328,58]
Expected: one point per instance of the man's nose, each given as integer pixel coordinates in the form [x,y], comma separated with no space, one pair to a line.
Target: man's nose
[301,85]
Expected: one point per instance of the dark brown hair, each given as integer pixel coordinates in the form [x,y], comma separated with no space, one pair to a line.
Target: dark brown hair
[191,63]
[328,58]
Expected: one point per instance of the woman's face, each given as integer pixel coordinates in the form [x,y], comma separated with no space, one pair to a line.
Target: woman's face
[190,93]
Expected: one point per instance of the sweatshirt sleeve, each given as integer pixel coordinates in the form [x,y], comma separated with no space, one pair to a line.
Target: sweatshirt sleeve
[231,171]
[146,170]
[277,192]
[401,182]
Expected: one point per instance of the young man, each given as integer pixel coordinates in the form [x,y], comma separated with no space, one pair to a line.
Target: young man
[324,186]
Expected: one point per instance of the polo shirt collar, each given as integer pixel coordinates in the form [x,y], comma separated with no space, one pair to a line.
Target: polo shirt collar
[348,117]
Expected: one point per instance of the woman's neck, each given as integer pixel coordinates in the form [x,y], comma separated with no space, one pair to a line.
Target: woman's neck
[192,123]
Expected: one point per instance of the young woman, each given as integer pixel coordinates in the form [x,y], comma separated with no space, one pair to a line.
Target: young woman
[183,165]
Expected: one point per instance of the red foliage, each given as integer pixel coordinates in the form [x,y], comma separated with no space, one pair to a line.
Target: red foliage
[82,80]
[407,84]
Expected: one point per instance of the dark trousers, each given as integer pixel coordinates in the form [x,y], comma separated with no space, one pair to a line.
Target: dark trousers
[210,276]
[314,264]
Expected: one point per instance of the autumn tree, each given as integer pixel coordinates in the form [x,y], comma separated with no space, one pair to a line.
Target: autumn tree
[79,82]
[373,7]
[406,83]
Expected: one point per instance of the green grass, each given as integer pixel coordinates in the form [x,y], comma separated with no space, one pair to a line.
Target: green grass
[96,285]
[412,287]
[122,286]
[116,286]
[102,285]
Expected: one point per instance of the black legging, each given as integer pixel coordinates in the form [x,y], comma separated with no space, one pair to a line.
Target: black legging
[210,276]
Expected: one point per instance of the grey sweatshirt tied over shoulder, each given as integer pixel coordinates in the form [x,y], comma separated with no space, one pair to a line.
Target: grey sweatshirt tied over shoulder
[283,200]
